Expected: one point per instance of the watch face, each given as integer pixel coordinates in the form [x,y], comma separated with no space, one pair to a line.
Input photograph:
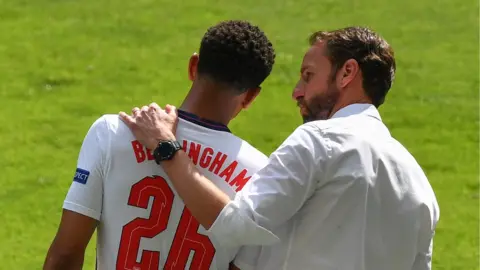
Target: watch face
[165,149]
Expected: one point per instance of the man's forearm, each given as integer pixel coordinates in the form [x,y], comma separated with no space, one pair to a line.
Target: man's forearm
[204,200]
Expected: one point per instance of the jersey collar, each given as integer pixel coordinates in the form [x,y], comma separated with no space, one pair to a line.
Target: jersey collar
[190,117]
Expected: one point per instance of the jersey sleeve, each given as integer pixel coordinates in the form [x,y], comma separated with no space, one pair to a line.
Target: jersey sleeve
[86,191]
[275,193]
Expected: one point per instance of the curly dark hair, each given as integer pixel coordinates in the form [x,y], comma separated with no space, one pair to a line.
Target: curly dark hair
[236,53]
[374,55]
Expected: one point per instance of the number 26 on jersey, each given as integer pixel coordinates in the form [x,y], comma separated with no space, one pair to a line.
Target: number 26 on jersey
[186,240]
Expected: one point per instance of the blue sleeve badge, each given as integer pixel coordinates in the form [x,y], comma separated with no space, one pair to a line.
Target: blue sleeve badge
[81,176]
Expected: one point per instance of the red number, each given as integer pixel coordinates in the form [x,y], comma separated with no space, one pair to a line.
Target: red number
[132,232]
[186,238]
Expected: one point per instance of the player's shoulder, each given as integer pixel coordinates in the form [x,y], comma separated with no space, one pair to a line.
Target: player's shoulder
[112,127]
[225,140]
[115,124]
[249,153]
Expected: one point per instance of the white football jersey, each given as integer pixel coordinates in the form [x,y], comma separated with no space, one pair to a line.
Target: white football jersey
[143,223]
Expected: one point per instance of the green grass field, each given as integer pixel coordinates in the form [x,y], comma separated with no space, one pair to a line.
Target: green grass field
[65,63]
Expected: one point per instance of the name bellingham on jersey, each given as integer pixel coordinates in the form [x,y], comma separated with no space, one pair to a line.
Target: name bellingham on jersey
[206,158]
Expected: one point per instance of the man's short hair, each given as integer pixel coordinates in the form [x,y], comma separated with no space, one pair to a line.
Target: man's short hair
[236,53]
[374,55]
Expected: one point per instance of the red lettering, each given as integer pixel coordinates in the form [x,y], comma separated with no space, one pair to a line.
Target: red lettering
[217,162]
[194,152]
[227,173]
[184,145]
[138,151]
[150,155]
[240,180]
[206,157]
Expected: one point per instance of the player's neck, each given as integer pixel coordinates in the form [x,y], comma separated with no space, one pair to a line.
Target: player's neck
[208,104]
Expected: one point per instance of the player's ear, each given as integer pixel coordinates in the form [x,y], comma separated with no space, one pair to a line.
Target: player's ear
[192,66]
[250,96]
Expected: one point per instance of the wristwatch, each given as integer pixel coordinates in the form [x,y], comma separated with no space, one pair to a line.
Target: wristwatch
[166,150]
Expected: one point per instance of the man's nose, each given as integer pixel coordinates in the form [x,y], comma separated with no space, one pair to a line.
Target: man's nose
[297,91]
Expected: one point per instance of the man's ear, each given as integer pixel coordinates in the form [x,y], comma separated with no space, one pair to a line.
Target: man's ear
[192,66]
[250,96]
[347,73]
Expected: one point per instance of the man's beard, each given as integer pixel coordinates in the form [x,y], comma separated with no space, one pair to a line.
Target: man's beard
[320,106]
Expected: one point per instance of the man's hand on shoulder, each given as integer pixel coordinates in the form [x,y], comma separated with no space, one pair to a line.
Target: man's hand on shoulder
[151,124]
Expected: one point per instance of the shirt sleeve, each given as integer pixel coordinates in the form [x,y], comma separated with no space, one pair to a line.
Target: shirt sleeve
[275,193]
[86,191]
[423,260]
[247,257]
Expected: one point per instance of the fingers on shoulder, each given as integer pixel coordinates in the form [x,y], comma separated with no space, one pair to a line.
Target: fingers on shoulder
[127,119]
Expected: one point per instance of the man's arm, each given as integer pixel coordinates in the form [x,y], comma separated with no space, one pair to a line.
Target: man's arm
[247,258]
[68,248]
[269,199]
[83,204]
[193,187]
[423,260]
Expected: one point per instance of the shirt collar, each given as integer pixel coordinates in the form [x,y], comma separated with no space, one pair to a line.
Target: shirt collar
[358,108]
[190,117]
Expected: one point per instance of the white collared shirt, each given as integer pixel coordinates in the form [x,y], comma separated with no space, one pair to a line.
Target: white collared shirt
[339,194]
